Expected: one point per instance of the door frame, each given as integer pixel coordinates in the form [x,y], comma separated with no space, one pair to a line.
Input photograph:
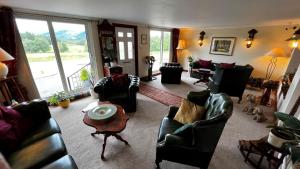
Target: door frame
[135,44]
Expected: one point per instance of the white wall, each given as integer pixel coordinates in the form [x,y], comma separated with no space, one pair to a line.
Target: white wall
[143,50]
[265,40]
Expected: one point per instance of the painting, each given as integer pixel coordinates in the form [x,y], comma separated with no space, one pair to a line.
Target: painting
[222,45]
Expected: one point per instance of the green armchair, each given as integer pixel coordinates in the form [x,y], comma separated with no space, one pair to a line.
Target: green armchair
[195,143]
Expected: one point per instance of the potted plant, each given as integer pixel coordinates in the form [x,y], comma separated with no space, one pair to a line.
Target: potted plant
[288,132]
[86,76]
[60,98]
[190,60]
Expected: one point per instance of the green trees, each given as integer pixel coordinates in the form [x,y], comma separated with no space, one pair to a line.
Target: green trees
[35,43]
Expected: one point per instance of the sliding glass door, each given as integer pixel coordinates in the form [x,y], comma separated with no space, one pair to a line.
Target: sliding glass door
[160,47]
[55,51]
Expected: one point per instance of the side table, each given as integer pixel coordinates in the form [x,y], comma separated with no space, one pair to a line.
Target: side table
[272,154]
[108,128]
[268,86]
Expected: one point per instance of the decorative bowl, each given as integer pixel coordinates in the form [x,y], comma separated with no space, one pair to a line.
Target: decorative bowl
[102,112]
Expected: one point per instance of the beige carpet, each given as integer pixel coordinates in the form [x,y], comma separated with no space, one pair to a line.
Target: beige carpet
[141,133]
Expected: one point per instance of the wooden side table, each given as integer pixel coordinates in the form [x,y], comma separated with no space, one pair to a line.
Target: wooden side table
[10,89]
[266,150]
[108,128]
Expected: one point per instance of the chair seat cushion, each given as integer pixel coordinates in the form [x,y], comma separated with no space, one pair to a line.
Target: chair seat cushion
[65,162]
[167,126]
[48,128]
[39,153]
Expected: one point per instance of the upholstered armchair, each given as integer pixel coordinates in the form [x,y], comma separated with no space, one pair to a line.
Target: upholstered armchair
[171,73]
[124,96]
[194,145]
[231,81]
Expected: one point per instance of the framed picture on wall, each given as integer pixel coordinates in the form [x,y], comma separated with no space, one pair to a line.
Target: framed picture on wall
[222,45]
[144,39]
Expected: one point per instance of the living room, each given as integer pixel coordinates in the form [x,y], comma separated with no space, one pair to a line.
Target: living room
[172,58]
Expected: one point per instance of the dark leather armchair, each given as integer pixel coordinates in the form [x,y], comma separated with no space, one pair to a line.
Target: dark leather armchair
[125,97]
[194,146]
[171,73]
[230,81]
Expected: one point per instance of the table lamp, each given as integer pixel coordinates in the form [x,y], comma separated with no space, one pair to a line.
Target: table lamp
[274,54]
[4,56]
[181,45]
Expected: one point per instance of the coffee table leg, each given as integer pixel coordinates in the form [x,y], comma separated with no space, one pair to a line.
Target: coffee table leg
[120,138]
[103,147]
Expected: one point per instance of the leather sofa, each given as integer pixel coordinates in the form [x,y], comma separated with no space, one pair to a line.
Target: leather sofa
[43,146]
[196,145]
[231,81]
[125,98]
[171,73]
[195,67]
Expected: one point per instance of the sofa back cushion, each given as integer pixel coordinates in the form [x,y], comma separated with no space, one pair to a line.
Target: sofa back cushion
[227,65]
[218,104]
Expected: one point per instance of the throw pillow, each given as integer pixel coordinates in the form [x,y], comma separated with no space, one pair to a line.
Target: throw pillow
[205,63]
[227,65]
[13,128]
[189,112]
[120,81]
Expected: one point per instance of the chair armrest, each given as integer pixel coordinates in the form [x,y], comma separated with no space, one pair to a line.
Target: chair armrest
[102,88]
[173,140]
[172,112]
[198,98]
[38,109]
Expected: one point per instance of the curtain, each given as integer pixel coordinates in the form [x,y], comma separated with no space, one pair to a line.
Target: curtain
[175,38]
[8,37]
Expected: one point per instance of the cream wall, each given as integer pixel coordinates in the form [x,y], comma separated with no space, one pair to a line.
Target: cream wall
[266,39]
[143,50]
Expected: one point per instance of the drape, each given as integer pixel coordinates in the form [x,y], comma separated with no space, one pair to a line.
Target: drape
[175,38]
[8,37]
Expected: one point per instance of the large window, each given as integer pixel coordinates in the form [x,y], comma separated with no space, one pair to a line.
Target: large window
[160,47]
[55,52]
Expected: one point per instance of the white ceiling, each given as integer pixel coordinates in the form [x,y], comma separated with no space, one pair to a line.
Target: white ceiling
[175,13]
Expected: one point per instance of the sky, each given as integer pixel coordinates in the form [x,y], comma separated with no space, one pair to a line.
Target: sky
[39,26]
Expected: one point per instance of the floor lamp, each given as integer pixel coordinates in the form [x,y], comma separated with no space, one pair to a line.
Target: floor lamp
[4,56]
[274,54]
[180,47]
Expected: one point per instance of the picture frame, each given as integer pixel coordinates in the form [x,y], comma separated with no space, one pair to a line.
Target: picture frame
[222,45]
[144,39]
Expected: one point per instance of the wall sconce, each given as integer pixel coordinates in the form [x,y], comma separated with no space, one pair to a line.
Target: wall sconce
[250,38]
[201,37]
[295,38]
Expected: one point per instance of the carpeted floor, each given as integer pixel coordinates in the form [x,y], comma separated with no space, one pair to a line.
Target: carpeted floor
[141,133]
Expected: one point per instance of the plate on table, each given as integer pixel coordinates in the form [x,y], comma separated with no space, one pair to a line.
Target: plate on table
[102,112]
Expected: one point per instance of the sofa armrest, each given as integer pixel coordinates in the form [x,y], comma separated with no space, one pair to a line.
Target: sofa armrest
[172,112]
[38,109]
[134,84]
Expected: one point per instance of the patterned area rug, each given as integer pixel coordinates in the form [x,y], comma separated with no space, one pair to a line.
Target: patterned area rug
[159,95]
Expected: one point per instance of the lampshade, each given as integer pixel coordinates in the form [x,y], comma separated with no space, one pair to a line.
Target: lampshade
[181,45]
[4,56]
[277,52]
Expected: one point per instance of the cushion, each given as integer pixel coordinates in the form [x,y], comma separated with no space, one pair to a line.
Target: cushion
[227,65]
[189,112]
[13,128]
[205,63]
[120,81]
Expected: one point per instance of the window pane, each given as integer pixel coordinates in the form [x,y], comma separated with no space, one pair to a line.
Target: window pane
[121,50]
[166,47]
[120,34]
[129,34]
[130,54]
[41,58]
[73,49]
[155,48]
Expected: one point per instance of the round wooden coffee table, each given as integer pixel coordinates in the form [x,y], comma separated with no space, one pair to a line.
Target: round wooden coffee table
[108,128]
